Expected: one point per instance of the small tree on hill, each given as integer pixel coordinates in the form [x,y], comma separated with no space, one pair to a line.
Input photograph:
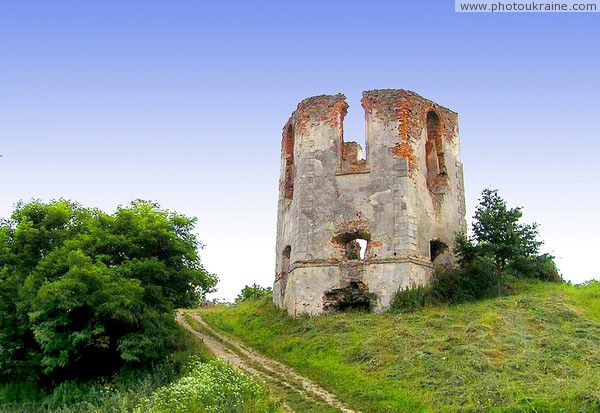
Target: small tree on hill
[500,245]
[498,232]
[253,292]
[499,236]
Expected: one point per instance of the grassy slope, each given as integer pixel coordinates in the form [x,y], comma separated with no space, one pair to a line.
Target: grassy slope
[538,350]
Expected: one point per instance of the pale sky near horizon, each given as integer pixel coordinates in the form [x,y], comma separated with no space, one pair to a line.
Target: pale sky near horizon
[183,103]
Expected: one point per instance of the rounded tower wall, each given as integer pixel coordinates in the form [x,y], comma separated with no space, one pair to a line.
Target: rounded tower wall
[399,203]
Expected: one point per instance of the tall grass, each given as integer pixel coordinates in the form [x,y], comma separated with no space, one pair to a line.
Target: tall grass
[73,397]
[210,387]
[190,380]
[537,350]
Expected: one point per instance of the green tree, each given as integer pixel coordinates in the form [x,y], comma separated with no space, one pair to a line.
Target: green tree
[499,236]
[500,245]
[498,232]
[253,292]
[84,292]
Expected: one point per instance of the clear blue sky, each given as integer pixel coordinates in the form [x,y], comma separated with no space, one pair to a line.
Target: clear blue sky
[182,102]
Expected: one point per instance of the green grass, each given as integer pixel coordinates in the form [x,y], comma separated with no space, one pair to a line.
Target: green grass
[537,350]
[211,387]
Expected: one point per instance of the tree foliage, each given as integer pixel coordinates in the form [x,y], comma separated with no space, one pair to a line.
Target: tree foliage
[499,236]
[501,245]
[253,292]
[83,292]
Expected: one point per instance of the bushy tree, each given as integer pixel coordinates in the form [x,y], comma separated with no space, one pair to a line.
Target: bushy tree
[83,292]
[499,236]
[500,245]
[474,280]
[253,292]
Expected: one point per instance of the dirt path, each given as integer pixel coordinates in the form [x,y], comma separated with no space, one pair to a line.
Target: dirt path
[272,372]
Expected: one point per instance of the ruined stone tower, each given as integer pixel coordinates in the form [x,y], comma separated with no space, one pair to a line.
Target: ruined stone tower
[351,231]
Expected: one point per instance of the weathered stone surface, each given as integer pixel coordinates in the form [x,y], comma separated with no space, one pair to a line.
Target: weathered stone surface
[407,193]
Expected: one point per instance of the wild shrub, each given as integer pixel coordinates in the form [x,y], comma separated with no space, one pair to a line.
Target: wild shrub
[456,284]
[84,293]
[541,267]
[210,387]
[410,299]
[450,285]
[501,246]
[119,393]
[253,292]
[500,237]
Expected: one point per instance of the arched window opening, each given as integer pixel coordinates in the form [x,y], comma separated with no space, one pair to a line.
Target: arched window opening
[434,154]
[353,152]
[285,260]
[436,247]
[288,148]
[363,247]
[355,245]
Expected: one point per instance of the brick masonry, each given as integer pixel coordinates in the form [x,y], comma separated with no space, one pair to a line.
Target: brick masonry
[407,192]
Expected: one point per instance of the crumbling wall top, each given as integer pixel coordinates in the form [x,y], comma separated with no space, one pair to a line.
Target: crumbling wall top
[358,229]
[328,109]
[388,102]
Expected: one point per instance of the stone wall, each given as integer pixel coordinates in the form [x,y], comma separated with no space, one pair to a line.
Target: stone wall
[407,193]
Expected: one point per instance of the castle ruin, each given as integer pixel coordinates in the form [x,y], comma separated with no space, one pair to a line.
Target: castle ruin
[351,231]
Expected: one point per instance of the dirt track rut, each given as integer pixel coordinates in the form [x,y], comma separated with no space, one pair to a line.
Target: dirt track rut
[268,370]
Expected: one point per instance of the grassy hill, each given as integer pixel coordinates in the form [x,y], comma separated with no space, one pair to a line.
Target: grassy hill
[537,350]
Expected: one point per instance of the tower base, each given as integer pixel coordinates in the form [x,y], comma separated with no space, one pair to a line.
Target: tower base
[315,288]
